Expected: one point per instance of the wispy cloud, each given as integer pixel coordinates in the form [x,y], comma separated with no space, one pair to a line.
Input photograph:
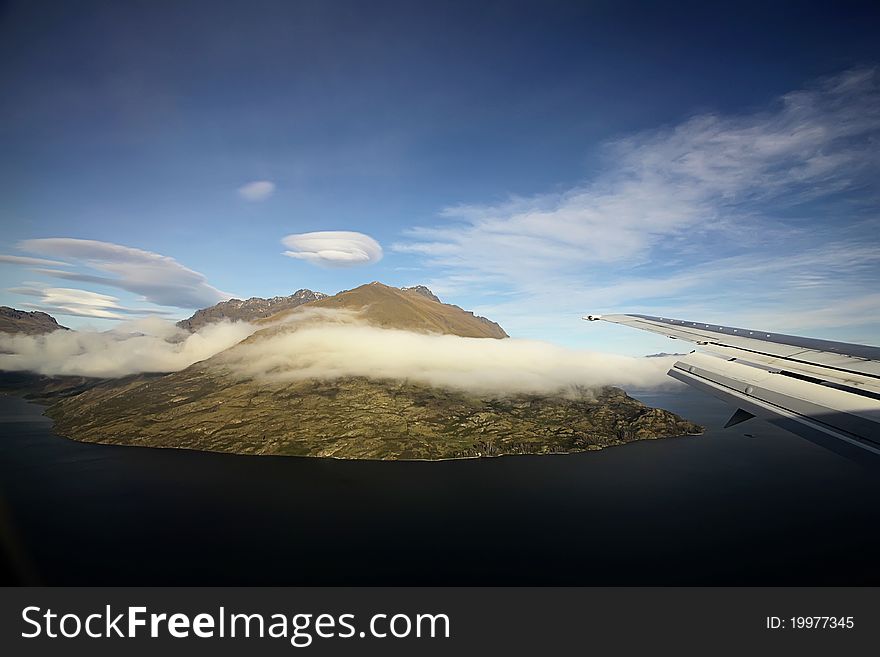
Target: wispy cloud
[258,190]
[712,207]
[24,260]
[333,248]
[158,279]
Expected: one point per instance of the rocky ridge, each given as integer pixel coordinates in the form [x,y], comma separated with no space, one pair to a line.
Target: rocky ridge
[35,322]
[248,310]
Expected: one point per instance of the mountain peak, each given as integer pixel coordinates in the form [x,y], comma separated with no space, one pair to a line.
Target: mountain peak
[406,309]
[424,291]
[413,308]
[33,322]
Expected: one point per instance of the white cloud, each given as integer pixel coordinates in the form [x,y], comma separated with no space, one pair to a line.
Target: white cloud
[699,176]
[333,345]
[676,210]
[153,345]
[324,344]
[24,260]
[259,190]
[159,279]
[333,248]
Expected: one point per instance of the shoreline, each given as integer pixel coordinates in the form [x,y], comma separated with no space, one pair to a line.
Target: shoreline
[46,403]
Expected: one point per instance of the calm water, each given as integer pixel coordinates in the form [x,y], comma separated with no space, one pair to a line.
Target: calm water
[721,508]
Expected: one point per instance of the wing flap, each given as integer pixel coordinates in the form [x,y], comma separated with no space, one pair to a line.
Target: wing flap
[857,416]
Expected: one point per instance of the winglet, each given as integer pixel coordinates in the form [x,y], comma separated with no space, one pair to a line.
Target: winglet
[592,318]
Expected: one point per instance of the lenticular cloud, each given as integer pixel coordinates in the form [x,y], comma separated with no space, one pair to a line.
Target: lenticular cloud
[333,248]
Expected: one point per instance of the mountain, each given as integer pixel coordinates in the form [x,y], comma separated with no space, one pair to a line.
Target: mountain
[249,310]
[413,308]
[354,417]
[208,407]
[406,308]
[22,321]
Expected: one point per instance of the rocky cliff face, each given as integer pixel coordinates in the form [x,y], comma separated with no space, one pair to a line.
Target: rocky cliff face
[248,310]
[22,321]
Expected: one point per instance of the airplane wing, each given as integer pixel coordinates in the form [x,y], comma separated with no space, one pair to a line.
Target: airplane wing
[825,391]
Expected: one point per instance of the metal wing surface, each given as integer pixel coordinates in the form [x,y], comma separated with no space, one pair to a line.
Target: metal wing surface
[825,391]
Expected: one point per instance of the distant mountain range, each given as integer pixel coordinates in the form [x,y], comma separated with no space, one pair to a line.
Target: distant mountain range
[31,323]
[413,308]
[206,407]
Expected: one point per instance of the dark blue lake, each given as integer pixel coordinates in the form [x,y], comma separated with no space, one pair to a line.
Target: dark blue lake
[721,508]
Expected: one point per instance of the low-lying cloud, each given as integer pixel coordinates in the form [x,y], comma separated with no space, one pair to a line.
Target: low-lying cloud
[148,345]
[328,345]
[509,366]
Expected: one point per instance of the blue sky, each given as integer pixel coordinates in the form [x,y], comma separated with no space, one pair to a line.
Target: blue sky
[530,161]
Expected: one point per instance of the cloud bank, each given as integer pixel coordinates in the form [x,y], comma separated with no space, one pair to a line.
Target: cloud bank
[159,279]
[335,345]
[147,345]
[329,345]
[259,190]
[333,248]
